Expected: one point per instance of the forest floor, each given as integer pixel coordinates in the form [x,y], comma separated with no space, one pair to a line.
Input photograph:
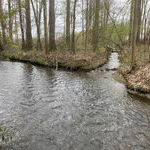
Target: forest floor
[59,59]
[139,79]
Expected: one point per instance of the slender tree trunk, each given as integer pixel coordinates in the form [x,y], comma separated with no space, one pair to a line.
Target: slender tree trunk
[131,22]
[74,26]
[10,20]
[39,21]
[134,32]
[45,25]
[16,28]
[3,26]
[139,15]
[144,19]
[106,11]
[83,41]
[96,26]
[64,19]
[68,24]
[29,44]
[87,24]
[146,27]
[90,13]
[37,16]
[1,45]
[21,25]
[52,43]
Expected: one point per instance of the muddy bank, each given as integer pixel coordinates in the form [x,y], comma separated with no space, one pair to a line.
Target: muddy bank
[60,59]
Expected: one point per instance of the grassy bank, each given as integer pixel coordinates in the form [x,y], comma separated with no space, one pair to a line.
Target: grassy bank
[59,59]
[139,79]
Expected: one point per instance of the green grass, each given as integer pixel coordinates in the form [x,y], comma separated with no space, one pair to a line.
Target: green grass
[5,134]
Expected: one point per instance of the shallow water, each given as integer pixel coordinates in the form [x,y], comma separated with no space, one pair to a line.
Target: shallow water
[60,110]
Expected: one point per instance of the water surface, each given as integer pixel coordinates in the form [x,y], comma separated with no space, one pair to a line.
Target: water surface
[60,110]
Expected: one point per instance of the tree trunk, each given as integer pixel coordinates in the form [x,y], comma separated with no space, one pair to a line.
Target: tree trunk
[1,45]
[96,26]
[21,24]
[37,16]
[29,44]
[10,20]
[90,13]
[3,26]
[16,28]
[134,31]
[131,21]
[45,25]
[106,12]
[52,44]
[68,24]
[74,26]
[144,20]
[139,15]
[87,24]
[83,41]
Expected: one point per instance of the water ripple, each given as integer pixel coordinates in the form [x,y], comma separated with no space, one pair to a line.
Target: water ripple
[67,110]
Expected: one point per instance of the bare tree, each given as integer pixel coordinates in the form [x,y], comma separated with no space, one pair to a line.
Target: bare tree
[96,26]
[29,44]
[52,44]
[45,25]
[37,16]
[10,19]
[74,26]
[1,45]
[68,24]
[90,13]
[134,31]
[131,22]
[139,15]
[87,24]
[21,24]
[16,25]
[3,25]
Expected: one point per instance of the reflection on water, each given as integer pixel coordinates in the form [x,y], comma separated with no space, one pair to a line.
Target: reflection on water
[59,110]
[113,61]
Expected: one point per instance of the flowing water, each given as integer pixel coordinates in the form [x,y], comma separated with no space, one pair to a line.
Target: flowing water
[60,110]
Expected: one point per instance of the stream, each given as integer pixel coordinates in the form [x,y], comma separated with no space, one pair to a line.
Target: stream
[62,110]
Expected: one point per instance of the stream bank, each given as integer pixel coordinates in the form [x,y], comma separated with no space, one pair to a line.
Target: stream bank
[137,80]
[82,61]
